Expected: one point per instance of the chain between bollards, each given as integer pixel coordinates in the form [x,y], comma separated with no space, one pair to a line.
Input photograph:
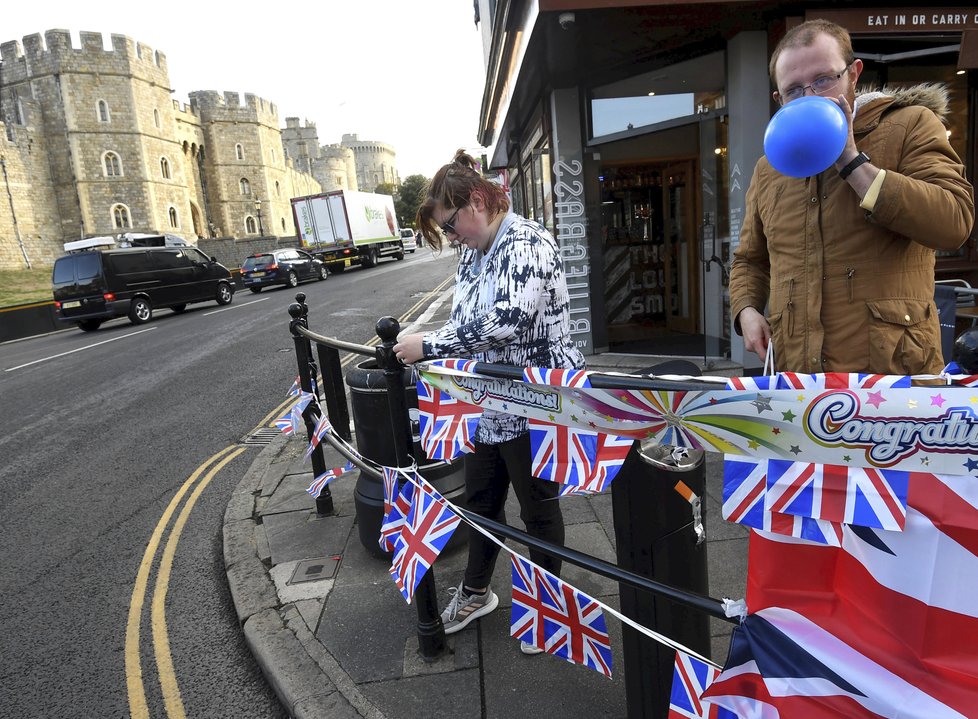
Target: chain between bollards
[431,631]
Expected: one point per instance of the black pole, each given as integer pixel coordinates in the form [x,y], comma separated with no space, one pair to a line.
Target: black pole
[334,391]
[431,631]
[303,357]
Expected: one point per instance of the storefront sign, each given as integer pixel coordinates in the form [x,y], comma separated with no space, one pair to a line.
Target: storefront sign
[904,19]
[570,220]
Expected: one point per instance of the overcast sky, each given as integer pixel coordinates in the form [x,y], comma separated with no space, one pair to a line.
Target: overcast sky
[406,73]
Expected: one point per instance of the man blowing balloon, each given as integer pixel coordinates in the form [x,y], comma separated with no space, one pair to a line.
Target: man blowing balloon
[844,260]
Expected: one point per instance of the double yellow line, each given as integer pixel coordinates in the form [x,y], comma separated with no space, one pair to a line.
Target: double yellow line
[138,708]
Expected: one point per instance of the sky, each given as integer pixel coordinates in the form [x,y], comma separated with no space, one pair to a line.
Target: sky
[410,74]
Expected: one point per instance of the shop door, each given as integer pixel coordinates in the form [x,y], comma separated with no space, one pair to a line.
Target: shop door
[681,251]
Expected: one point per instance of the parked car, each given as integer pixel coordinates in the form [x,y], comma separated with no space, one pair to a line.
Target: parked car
[286,267]
[407,239]
[93,285]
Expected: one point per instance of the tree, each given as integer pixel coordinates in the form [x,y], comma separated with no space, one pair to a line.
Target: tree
[407,198]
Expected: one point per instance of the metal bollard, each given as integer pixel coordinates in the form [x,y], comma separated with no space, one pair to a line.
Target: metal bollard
[303,356]
[431,631]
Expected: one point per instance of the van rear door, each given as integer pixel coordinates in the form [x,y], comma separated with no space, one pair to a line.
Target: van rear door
[78,284]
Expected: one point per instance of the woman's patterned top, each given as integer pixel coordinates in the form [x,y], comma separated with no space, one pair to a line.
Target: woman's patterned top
[510,307]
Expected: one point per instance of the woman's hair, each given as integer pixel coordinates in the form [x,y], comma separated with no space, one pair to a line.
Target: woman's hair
[453,186]
[804,36]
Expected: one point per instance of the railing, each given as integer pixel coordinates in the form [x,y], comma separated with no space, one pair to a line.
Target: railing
[431,635]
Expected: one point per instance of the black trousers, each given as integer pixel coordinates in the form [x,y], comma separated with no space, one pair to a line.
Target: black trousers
[488,473]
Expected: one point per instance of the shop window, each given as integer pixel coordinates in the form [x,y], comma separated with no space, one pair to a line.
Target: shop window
[120,217]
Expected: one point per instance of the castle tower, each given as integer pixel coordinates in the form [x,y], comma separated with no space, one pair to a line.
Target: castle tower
[375,162]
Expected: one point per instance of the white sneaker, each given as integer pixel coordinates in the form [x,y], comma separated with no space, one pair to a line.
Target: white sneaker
[464,608]
[528,648]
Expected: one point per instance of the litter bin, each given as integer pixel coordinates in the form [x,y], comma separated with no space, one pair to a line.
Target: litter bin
[659,535]
[375,441]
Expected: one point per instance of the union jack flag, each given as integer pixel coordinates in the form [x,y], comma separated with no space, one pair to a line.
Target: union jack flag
[744,491]
[326,477]
[322,427]
[447,425]
[852,495]
[611,453]
[841,380]
[429,525]
[294,389]
[286,423]
[462,365]
[690,679]
[562,454]
[760,383]
[556,377]
[396,515]
[552,615]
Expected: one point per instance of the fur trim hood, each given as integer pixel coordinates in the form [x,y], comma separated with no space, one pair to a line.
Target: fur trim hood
[932,95]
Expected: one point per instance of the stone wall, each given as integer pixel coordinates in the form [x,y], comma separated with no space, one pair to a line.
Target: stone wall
[232,252]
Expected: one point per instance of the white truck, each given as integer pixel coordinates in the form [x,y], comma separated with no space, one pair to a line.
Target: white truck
[345,227]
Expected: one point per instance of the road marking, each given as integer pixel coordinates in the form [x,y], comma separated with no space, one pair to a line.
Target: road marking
[234,307]
[138,708]
[161,640]
[86,347]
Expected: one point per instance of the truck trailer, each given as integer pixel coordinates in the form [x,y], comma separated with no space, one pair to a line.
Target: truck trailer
[345,227]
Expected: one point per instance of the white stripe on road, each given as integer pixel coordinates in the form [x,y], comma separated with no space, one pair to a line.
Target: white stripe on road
[86,347]
[234,307]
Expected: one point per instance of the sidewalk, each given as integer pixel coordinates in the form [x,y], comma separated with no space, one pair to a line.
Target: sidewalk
[336,639]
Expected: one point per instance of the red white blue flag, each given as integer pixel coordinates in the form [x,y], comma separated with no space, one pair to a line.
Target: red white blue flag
[322,427]
[873,628]
[326,477]
[562,454]
[841,380]
[429,525]
[557,377]
[690,678]
[397,505]
[447,425]
[611,453]
[552,615]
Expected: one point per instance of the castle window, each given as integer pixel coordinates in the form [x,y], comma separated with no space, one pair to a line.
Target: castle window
[244,186]
[239,151]
[120,217]
[273,154]
[102,110]
[165,168]
[250,226]
[339,180]
[112,165]
[174,220]
[278,189]
[283,225]
[156,118]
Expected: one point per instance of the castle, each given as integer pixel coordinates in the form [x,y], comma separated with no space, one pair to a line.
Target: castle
[91,143]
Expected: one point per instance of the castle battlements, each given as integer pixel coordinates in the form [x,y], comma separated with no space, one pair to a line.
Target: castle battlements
[228,107]
[56,52]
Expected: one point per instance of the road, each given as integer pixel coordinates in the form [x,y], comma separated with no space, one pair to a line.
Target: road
[120,449]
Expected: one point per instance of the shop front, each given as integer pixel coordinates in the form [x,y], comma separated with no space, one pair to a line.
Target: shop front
[631,133]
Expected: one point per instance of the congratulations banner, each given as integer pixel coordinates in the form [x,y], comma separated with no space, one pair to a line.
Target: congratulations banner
[932,429]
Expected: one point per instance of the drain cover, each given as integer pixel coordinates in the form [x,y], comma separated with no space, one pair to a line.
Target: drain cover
[309,570]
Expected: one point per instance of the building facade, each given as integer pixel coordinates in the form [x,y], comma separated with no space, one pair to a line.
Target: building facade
[632,131]
[92,144]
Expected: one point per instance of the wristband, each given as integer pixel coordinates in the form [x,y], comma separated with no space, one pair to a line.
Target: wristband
[858,160]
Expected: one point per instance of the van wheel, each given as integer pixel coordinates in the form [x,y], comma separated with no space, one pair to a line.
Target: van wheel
[370,257]
[292,279]
[256,290]
[140,311]
[224,293]
[323,273]
[179,309]
[89,325]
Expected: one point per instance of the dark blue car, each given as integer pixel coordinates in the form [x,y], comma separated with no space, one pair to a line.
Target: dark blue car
[281,267]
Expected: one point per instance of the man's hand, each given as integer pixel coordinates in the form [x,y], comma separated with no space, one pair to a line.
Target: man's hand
[408,349]
[756,331]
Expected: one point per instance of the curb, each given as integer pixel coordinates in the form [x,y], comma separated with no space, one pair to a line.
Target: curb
[308,681]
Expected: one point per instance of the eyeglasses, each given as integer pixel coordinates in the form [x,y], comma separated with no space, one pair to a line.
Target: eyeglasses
[448,226]
[820,86]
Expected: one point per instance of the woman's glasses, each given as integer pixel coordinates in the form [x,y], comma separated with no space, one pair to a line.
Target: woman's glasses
[448,227]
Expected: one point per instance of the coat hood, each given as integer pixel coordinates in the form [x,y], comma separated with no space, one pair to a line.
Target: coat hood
[932,95]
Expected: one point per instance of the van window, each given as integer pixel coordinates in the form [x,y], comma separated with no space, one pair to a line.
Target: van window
[196,256]
[129,262]
[64,270]
[88,266]
[170,259]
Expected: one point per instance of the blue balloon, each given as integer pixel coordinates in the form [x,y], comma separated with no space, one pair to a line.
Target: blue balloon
[806,136]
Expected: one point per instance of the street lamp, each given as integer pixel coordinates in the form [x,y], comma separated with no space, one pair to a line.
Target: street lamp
[261,230]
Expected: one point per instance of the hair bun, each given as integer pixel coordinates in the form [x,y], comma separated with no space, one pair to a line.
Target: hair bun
[465,160]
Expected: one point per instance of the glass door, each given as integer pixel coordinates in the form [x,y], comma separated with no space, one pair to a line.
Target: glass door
[680,250]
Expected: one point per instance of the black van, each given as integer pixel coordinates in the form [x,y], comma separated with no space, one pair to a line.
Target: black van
[96,285]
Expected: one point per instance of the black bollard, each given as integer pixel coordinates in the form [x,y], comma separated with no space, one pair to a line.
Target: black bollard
[303,357]
[431,631]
